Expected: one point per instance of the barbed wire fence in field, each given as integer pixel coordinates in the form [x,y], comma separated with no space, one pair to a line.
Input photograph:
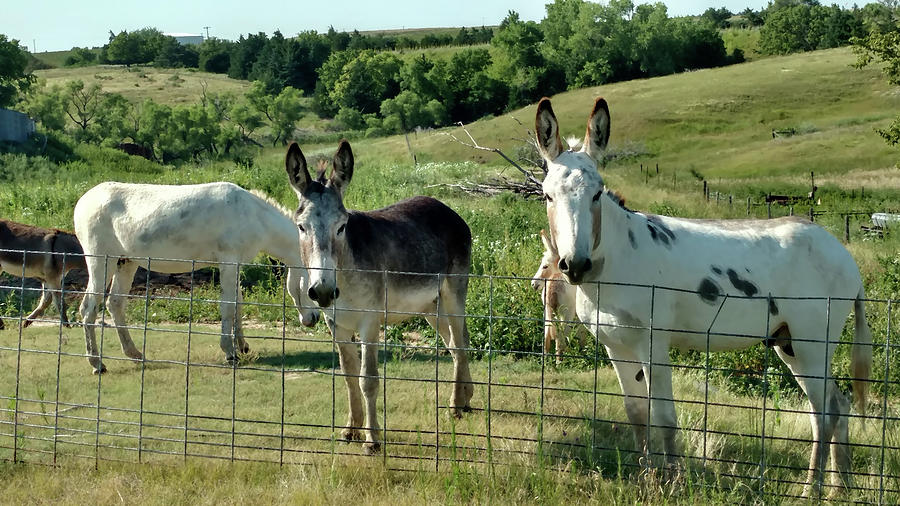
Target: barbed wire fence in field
[743,422]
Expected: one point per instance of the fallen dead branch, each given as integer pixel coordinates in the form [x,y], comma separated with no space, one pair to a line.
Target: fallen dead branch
[531,185]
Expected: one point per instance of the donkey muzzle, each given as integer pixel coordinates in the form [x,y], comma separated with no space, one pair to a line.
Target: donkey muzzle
[323,296]
[575,268]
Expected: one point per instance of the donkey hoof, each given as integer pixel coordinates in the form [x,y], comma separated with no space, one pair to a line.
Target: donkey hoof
[349,435]
[101,370]
[27,324]
[372,447]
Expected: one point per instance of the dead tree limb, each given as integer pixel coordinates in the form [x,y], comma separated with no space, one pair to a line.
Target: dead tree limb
[529,177]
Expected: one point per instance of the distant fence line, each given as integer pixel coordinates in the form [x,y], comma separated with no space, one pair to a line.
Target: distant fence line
[181,401]
[772,202]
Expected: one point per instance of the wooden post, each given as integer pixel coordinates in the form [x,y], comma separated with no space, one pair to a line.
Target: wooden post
[705,192]
[812,215]
[791,211]
[847,228]
[657,169]
[748,206]
[769,209]
[717,198]
[673,178]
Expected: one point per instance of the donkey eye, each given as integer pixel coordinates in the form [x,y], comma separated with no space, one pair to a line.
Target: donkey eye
[341,229]
[301,227]
[597,196]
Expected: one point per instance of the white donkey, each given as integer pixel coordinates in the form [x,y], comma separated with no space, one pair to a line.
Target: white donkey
[381,267]
[558,298]
[730,284]
[121,225]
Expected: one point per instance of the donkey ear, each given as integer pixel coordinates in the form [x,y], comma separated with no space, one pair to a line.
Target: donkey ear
[295,165]
[597,135]
[548,243]
[343,167]
[546,128]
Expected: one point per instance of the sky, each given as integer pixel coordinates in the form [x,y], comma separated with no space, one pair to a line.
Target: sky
[55,25]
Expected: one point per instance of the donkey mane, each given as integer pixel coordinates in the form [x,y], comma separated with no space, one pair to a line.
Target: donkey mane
[272,202]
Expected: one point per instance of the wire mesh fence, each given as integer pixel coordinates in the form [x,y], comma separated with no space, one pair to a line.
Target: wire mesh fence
[742,420]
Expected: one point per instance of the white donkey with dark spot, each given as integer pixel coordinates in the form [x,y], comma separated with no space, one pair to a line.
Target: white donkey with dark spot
[381,267]
[730,284]
[122,226]
[40,253]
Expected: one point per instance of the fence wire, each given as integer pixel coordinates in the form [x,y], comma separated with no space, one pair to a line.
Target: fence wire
[742,420]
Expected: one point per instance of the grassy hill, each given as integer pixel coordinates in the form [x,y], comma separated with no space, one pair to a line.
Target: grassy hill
[718,122]
[168,86]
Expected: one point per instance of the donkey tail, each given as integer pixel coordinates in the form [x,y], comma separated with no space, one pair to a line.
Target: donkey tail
[861,354]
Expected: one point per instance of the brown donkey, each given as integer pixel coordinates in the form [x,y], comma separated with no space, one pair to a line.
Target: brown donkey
[558,299]
[40,253]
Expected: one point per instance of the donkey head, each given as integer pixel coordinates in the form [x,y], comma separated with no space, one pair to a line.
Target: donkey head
[573,188]
[548,268]
[321,218]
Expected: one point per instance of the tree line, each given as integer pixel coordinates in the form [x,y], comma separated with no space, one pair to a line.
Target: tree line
[363,84]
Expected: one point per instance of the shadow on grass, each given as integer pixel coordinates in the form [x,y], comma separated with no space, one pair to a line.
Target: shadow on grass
[316,360]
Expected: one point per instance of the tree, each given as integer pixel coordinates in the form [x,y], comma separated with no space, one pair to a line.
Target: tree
[882,48]
[285,113]
[522,65]
[366,81]
[14,79]
[173,54]
[215,55]
[47,106]
[80,56]
[83,102]
[408,110]
[244,54]
[139,46]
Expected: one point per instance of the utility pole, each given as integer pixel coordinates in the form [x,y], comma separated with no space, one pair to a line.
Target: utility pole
[207,31]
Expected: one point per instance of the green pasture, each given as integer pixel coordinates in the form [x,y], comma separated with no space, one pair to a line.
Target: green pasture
[184,404]
[714,125]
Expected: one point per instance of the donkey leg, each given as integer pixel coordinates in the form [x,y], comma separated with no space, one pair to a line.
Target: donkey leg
[634,387]
[228,279]
[96,285]
[118,299]
[808,366]
[238,323]
[662,400]
[368,381]
[348,351]
[455,334]
[43,304]
[549,329]
[839,407]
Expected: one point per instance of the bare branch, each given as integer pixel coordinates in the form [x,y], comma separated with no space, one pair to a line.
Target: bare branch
[474,145]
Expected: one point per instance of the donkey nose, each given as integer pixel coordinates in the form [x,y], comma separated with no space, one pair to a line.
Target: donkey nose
[575,268]
[322,295]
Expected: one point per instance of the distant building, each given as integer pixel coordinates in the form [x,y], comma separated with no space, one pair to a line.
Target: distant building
[15,126]
[186,39]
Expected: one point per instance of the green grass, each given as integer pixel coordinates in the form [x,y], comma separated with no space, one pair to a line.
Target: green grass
[412,407]
[167,86]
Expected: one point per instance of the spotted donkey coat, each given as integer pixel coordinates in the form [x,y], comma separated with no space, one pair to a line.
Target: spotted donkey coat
[379,267]
[56,253]
[721,285]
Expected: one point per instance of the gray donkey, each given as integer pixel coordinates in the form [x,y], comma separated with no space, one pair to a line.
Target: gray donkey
[381,267]
[45,254]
